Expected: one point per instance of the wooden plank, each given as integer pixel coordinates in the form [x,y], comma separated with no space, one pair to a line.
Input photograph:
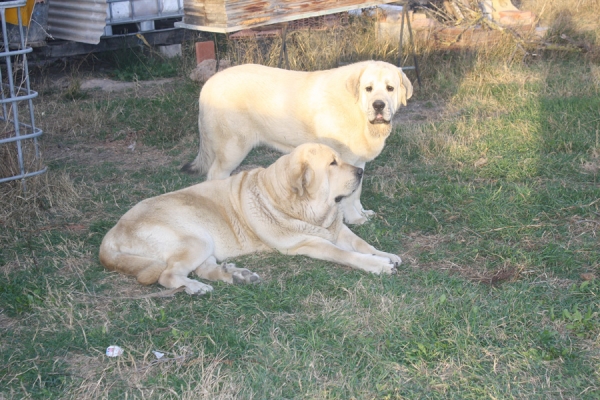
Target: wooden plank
[225,16]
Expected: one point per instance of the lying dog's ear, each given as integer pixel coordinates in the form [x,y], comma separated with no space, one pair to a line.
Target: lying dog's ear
[406,90]
[353,84]
[301,176]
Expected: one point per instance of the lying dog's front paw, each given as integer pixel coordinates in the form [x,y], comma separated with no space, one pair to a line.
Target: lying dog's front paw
[389,269]
[378,264]
[395,259]
[199,288]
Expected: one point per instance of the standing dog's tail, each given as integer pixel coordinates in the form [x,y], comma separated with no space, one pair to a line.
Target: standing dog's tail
[196,166]
[205,157]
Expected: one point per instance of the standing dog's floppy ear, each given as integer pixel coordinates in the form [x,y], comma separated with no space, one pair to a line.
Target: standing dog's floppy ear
[406,90]
[353,84]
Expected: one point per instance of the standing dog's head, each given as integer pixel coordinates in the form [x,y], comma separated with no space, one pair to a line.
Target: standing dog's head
[380,88]
[315,180]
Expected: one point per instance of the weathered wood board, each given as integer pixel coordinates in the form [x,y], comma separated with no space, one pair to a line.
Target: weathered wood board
[225,16]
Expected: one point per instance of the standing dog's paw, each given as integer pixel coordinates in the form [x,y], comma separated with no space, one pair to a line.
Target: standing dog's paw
[355,221]
[367,213]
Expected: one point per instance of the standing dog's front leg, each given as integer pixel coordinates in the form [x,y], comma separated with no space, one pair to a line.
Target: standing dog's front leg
[354,213]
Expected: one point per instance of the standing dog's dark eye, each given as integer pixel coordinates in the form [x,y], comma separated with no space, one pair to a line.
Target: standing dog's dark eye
[369,88]
[334,162]
[390,88]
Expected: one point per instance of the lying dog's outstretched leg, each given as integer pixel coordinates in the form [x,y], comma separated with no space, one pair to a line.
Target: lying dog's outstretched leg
[322,249]
[225,272]
[350,241]
[350,250]
[191,253]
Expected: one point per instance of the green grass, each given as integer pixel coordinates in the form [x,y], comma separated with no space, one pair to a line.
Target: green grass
[135,64]
[489,203]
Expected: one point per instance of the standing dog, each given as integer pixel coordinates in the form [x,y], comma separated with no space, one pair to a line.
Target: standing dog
[292,207]
[349,109]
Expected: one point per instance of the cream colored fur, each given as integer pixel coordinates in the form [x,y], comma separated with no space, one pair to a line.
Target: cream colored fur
[250,105]
[292,207]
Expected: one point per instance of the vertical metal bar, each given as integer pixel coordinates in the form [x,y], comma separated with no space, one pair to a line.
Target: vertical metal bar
[412,44]
[111,17]
[27,86]
[401,35]
[11,89]
[15,104]
[4,111]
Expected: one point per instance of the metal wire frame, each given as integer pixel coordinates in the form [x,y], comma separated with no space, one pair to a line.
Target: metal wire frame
[11,96]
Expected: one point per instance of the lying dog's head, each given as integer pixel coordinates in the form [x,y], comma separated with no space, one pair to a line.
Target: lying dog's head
[317,171]
[315,180]
[380,88]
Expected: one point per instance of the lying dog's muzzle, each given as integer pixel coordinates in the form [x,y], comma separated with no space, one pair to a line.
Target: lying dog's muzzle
[358,173]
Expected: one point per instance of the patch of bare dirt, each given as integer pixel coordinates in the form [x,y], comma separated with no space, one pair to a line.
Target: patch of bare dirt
[420,111]
[109,85]
[129,153]
[419,243]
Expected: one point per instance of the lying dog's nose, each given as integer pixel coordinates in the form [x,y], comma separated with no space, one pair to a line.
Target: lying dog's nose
[359,172]
[378,105]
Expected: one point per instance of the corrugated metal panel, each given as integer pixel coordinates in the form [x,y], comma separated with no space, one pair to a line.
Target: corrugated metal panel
[77,20]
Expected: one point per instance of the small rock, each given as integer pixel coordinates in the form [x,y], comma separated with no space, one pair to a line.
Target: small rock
[207,68]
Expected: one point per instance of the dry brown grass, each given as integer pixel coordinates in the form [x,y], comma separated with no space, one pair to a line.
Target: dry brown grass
[44,195]
[10,163]
[98,379]
[573,22]
[315,49]
[583,12]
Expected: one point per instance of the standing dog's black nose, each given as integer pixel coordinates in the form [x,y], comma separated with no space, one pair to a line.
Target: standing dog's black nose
[359,172]
[378,105]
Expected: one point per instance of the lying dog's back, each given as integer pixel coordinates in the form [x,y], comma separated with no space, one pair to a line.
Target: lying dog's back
[161,224]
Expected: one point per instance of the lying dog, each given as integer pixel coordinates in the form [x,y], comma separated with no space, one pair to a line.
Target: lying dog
[349,109]
[293,206]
